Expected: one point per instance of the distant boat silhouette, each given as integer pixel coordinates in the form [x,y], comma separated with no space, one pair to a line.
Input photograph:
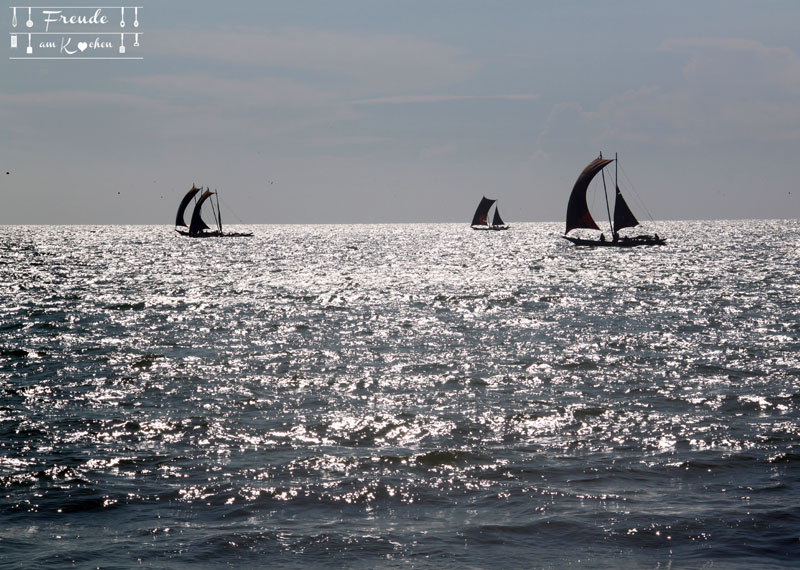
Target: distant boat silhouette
[198,227]
[480,221]
[578,215]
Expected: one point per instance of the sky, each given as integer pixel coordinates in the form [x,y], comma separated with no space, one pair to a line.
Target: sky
[373,111]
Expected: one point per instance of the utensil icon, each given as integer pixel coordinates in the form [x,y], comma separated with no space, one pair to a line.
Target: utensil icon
[13,40]
[136,17]
[122,43]
[29,23]
[29,51]
[14,18]
[122,21]
[136,40]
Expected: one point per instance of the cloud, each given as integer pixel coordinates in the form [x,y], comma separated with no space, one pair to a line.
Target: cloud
[260,107]
[732,90]
[745,64]
[339,141]
[234,92]
[377,62]
[435,152]
[568,124]
[58,119]
[49,100]
[248,86]
[405,99]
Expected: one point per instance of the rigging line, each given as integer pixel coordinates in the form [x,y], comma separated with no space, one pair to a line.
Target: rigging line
[636,193]
[241,221]
[216,211]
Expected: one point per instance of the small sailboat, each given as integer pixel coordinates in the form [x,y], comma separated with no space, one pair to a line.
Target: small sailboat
[579,217]
[480,221]
[197,226]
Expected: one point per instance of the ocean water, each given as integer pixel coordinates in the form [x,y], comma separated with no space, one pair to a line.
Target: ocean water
[401,396]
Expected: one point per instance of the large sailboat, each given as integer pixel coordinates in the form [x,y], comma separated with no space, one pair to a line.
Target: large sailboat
[197,226]
[480,221]
[579,217]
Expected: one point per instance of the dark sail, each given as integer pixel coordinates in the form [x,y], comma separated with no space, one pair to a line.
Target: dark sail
[198,225]
[623,217]
[185,202]
[481,217]
[497,220]
[578,215]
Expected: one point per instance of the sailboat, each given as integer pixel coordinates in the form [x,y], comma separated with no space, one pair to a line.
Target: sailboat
[480,221]
[197,226]
[579,217]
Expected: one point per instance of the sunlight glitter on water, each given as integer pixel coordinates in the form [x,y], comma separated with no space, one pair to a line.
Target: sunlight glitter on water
[319,389]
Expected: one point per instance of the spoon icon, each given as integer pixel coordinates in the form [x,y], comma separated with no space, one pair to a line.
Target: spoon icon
[122,21]
[29,23]
[136,17]
[14,18]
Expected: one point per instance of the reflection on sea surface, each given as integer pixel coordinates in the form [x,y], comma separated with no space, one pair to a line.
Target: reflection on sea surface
[399,395]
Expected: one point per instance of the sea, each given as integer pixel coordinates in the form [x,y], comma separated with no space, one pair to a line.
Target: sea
[399,396]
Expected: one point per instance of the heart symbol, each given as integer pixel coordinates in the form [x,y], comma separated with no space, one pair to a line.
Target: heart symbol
[82,45]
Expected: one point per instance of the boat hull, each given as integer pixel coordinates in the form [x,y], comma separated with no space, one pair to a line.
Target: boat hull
[492,228]
[214,234]
[624,242]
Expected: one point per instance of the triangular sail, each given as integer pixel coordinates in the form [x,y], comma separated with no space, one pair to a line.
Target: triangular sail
[497,220]
[184,203]
[198,225]
[481,217]
[578,215]
[623,217]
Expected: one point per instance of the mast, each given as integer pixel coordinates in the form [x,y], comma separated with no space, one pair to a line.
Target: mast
[219,213]
[213,209]
[605,193]
[616,191]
